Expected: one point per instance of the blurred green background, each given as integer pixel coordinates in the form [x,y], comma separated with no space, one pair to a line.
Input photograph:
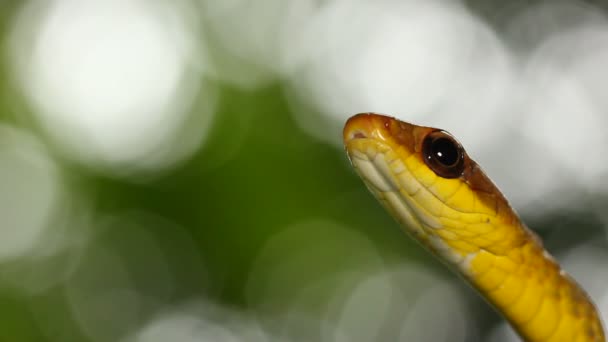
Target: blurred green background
[174,170]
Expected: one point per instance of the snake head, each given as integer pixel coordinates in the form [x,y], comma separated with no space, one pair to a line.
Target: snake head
[426,179]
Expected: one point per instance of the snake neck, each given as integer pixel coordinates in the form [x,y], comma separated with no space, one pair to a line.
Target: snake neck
[540,300]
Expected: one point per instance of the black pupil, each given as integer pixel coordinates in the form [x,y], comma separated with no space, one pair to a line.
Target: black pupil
[445,151]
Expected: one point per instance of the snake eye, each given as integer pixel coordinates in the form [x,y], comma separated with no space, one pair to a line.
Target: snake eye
[443,154]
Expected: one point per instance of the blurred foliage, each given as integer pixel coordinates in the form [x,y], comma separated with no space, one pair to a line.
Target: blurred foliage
[275,176]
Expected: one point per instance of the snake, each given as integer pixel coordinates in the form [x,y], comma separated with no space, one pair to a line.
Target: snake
[426,180]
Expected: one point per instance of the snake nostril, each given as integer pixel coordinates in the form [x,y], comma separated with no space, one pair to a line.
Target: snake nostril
[355,134]
[358,135]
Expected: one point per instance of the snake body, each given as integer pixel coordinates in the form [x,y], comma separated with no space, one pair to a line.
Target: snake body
[439,195]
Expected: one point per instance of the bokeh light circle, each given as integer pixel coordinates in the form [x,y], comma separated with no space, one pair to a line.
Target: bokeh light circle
[113,82]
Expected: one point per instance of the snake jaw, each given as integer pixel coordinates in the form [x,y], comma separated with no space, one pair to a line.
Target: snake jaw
[422,226]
